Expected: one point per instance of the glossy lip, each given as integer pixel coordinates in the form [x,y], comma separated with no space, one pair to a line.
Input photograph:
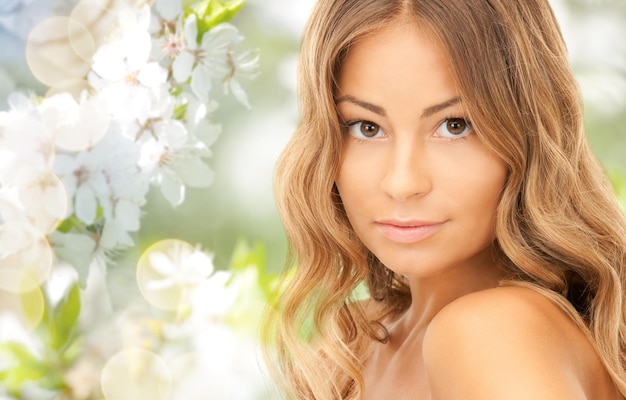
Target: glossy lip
[407,231]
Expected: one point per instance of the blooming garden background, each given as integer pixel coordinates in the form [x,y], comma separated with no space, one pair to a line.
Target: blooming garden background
[138,237]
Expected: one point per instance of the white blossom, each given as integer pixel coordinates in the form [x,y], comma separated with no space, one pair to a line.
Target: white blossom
[197,121]
[107,178]
[243,65]
[180,268]
[29,191]
[207,60]
[123,72]
[23,133]
[166,29]
[33,196]
[173,158]
[75,125]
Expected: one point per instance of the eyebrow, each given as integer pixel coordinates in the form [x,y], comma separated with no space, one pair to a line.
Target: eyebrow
[434,109]
[363,104]
[440,107]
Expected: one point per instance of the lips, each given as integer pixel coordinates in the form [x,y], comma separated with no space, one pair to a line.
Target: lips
[408,231]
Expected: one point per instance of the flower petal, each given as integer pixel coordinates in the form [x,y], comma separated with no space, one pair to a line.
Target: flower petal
[129,214]
[194,172]
[139,49]
[152,75]
[238,92]
[173,189]
[85,204]
[173,133]
[160,284]
[182,66]
[169,9]
[201,263]
[115,236]
[191,31]
[207,132]
[201,82]
[108,62]
[162,264]
[220,38]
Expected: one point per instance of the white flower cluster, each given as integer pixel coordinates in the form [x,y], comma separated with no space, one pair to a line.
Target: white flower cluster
[76,168]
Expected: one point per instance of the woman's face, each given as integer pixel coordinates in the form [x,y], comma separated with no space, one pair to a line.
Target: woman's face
[419,187]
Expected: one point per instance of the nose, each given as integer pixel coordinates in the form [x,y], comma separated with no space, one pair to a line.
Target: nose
[407,172]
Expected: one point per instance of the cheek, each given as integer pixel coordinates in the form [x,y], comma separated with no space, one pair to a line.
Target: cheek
[352,177]
[474,180]
[486,191]
[355,187]
[347,185]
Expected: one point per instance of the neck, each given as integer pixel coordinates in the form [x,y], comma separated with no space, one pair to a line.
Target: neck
[429,294]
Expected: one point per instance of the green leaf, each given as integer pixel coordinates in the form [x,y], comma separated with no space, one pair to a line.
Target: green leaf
[176,91]
[16,352]
[69,223]
[180,112]
[72,351]
[33,304]
[22,366]
[211,13]
[64,318]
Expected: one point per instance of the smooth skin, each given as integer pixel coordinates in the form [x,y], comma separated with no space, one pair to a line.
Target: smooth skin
[421,190]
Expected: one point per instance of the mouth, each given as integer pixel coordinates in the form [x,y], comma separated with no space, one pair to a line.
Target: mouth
[408,231]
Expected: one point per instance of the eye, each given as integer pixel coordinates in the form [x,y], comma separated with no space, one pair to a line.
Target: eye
[364,129]
[453,128]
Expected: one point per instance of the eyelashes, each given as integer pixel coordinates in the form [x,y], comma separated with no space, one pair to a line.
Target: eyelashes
[362,129]
[451,128]
[455,128]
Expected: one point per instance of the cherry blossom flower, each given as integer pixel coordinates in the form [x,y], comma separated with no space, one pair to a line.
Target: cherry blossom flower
[106,178]
[166,29]
[170,271]
[244,65]
[207,60]
[75,125]
[179,268]
[30,193]
[173,159]
[24,134]
[32,196]
[123,72]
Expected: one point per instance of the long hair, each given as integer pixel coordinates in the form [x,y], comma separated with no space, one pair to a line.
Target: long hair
[559,228]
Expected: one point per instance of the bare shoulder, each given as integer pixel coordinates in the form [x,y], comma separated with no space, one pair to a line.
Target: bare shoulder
[513,343]
[504,308]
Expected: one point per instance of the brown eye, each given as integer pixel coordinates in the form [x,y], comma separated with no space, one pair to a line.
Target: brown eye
[364,130]
[456,126]
[369,129]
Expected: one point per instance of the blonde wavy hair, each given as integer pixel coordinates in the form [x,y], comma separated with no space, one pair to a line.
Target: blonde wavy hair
[559,230]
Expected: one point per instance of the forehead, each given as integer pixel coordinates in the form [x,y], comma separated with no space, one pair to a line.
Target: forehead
[401,61]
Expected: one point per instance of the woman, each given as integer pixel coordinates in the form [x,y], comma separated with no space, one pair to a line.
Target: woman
[441,159]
